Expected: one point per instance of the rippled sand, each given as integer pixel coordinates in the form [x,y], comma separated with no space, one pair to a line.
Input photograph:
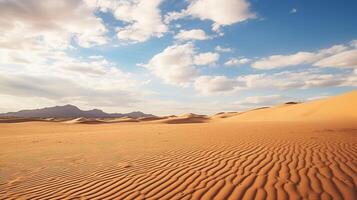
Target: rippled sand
[299,151]
[218,160]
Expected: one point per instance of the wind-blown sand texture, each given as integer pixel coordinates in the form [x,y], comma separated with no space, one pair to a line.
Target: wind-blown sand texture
[302,155]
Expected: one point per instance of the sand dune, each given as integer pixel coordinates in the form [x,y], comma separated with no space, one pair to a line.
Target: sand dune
[186,118]
[228,157]
[337,108]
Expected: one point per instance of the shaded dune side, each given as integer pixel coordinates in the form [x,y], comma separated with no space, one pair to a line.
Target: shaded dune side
[255,167]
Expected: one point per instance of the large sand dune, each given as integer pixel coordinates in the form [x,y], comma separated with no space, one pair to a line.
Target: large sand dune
[339,108]
[302,151]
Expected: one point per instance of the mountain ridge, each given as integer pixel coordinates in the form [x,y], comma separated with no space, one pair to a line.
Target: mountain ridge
[71,111]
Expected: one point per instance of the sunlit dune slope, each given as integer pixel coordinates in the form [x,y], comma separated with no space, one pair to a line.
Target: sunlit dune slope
[338,108]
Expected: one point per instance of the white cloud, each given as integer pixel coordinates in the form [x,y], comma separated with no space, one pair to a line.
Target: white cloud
[277,61]
[83,67]
[300,58]
[34,63]
[221,12]
[174,65]
[174,15]
[226,12]
[98,67]
[209,85]
[237,62]
[72,81]
[222,49]
[194,34]
[68,91]
[208,58]
[143,18]
[332,50]
[177,64]
[214,84]
[343,59]
[51,23]
[301,80]
[34,41]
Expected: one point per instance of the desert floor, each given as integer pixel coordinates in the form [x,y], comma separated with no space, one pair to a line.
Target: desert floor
[222,159]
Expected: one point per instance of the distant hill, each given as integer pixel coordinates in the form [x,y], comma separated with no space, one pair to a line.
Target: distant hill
[70,111]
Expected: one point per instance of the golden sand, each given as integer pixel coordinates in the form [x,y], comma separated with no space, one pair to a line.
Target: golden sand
[300,151]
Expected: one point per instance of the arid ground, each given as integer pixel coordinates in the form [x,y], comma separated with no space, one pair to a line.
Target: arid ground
[297,151]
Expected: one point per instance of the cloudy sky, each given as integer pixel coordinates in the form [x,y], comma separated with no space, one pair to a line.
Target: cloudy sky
[175,56]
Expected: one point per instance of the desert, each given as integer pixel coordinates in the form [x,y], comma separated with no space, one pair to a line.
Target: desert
[295,151]
[178,100]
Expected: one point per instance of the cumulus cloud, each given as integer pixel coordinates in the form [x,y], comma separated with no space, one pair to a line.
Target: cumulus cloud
[343,59]
[226,12]
[332,50]
[194,34]
[300,58]
[69,92]
[35,35]
[298,80]
[277,61]
[208,58]
[214,84]
[52,23]
[142,18]
[107,88]
[210,85]
[177,64]
[174,65]
[34,39]
[237,62]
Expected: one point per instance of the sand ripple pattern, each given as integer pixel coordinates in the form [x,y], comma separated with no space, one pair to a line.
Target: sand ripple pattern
[250,168]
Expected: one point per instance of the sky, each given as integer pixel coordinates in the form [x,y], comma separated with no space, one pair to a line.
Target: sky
[175,56]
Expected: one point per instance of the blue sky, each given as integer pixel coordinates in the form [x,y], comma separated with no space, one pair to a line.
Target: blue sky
[171,57]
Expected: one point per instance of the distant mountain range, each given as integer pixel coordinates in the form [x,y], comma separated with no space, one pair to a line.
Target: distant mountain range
[70,111]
